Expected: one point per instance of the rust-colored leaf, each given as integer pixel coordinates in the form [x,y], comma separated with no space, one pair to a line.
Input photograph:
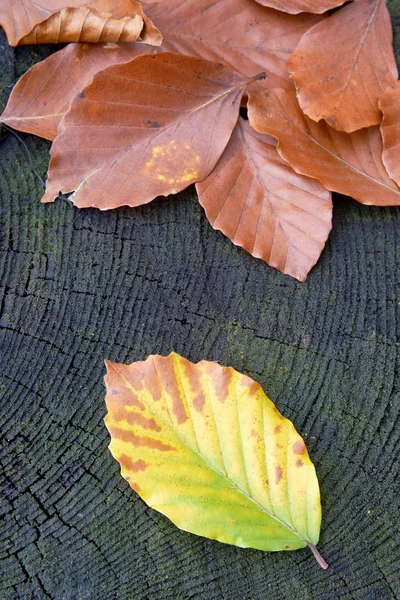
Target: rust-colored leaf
[239,33]
[42,96]
[52,21]
[389,103]
[297,6]
[348,163]
[145,128]
[18,18]
[342,65]
[204,445]
[261,204]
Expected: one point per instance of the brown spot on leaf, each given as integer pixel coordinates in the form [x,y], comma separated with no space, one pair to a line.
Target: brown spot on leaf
[220,380]
[267,482]
[151,380]
[192,375]
[115,392]
[138,441]
[135,486]
[277,429]
[287,547]
[166,372]
[134,418]
[132,465]
[299,463]
[254,388]
[152,124]
[278,474]
[299,447]
[198,402]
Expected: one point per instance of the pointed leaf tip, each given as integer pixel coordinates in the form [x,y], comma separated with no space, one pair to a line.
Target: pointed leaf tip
[203,445]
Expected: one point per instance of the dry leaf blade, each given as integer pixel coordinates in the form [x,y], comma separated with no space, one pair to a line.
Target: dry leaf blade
[389,103]
[348,163]
[42,96]
[343,86]
[261,204]
[164,123]
[298,6]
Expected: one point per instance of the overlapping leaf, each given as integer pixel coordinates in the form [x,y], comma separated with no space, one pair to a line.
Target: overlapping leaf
[51,21]
[348,163]
[389,103]
[19,18]
[204,445]
[162,125]
[261,204]
[342,65]
[42,96]
[297,6]
[238,33]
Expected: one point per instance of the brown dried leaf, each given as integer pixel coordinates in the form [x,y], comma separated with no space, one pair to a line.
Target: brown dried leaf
[78,21]
[297,6]
[239,33]
[42,96]
[342,65]
[389,103]
[261,204]
[18,18]
[142,129]
[348,163]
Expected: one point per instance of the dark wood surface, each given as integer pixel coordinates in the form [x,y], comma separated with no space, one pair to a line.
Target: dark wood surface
[77,287]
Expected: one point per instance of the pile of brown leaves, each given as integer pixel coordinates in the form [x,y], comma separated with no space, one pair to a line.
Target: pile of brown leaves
[131,121]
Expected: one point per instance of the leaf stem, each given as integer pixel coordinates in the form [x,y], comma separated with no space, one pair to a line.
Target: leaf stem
[318,557]
[257,77]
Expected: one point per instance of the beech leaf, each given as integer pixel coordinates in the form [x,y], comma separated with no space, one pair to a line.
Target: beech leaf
[297,6]
[348,163]
[52,22]
[19,18]
[239,33]
[204,445]
[389,103]
[257,200]
[342,86]
[42,96]
[145,128]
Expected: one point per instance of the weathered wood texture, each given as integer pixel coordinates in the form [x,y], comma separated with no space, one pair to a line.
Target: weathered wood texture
[80,286]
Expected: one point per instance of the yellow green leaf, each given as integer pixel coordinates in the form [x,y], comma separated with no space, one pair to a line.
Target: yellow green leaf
[206,447]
